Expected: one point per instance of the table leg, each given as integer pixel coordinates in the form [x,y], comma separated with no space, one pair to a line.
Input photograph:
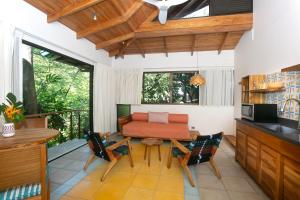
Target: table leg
[145,153]
[149,155]
[159,155]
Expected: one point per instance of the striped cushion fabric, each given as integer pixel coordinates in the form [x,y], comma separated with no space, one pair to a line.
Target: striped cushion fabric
[21,192]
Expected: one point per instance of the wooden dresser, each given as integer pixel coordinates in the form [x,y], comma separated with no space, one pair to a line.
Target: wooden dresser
[23,159]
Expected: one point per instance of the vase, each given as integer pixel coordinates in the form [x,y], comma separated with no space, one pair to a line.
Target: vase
[8,130]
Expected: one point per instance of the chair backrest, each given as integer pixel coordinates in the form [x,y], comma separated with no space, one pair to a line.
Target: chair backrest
[204,147]
[96,144]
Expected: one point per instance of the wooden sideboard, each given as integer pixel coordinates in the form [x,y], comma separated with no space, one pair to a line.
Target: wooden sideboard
[23,159]
[272,162]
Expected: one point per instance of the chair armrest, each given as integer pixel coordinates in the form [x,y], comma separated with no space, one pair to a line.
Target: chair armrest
[180,146]
[105,135]
[124,120]
[119,143]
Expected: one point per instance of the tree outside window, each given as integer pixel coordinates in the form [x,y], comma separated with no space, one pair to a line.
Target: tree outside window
[169,88]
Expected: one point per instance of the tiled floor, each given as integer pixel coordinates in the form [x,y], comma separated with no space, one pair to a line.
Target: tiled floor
[69,181]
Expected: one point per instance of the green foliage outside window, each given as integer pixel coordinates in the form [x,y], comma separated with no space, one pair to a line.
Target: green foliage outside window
[169,88]
[60,87]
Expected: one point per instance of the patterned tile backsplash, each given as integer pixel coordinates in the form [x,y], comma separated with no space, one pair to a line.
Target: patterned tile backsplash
[292,85]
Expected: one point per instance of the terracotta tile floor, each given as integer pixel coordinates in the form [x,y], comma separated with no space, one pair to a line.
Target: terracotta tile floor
[155,182]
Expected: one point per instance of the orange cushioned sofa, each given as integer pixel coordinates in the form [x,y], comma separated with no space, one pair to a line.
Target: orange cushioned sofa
[137,125]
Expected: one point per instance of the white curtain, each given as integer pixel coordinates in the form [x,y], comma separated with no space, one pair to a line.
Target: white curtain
[129,86]
[219,87]
[6,59]
[17,66]
[104,99]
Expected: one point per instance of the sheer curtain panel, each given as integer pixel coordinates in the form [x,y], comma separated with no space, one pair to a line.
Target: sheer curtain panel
[104,99]
[6,58]
[129,86]
[219,87]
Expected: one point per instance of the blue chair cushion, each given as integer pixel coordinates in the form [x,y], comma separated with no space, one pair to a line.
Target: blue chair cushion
[176,152]
[122,150]
[21,192]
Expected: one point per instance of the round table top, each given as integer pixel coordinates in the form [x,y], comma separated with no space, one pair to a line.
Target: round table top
[152,141]
[25,137]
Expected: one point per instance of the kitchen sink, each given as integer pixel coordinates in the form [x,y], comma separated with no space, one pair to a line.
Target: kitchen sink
[278,128]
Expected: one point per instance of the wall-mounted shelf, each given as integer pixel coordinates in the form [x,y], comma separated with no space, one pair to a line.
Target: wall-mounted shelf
[292,68]
[267,90]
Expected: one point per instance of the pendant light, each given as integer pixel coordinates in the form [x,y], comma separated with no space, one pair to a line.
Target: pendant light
[197,80]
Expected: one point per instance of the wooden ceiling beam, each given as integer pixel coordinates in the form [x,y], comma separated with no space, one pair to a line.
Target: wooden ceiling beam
[71,9]
[136,42]
[124,47]
[140,48]
[194,44]
[152,16]
[117,6]
[111,23]
[226,36]
[115,40]
[165,46]
[214,24]
[113,52]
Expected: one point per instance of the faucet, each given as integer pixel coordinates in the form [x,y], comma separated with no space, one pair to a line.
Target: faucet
[284,105]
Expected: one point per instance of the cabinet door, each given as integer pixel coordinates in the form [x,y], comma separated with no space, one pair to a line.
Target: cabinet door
[269,175]
[253,160]
[240,154]
[291,180]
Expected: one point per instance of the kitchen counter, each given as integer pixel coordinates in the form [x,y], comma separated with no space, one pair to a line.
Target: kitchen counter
[284,129]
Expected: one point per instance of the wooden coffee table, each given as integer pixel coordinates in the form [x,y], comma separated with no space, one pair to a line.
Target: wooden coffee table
[149,142]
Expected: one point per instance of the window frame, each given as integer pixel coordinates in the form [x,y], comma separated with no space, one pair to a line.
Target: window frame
[159,72]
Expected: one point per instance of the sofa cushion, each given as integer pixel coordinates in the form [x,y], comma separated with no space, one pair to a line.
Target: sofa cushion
[21,192]
[178,118]
[158,117]
[156,130]
[139,116]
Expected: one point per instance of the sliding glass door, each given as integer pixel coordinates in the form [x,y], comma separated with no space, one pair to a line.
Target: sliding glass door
[58,87]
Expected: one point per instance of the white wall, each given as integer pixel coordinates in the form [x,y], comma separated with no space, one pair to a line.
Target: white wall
[206,119]
[54,36]
[273,44]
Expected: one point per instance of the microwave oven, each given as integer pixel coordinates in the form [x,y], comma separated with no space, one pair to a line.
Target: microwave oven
[260,112]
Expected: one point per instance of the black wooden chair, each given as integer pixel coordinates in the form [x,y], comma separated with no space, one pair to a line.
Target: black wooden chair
[201,150]
[110,151]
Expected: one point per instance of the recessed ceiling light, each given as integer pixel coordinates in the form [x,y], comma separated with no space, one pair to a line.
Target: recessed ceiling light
[94,16]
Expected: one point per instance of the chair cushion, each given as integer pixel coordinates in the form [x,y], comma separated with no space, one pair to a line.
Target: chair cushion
[178,118]
[122,150]
[21,192]
[156,130]
[96,143]
[138,116]
[159,117]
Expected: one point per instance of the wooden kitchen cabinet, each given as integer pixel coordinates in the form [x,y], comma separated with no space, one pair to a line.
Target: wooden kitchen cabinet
[253,157]
[291,180]
[269,172]
[240,154]
[272,162]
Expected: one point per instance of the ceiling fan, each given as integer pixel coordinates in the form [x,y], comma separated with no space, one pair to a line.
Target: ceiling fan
[163,6]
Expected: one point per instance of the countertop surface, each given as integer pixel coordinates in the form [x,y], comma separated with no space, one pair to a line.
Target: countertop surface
[281,130]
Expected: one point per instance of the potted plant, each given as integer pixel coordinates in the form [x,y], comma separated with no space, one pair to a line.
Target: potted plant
[13,113]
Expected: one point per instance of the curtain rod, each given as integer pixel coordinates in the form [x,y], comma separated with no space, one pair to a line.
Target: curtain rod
[55,45]
[190,68]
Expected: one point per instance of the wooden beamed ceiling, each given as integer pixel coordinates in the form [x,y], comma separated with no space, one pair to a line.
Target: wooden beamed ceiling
[127,27]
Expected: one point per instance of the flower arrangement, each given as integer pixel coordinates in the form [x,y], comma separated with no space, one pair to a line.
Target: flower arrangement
[13,112]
